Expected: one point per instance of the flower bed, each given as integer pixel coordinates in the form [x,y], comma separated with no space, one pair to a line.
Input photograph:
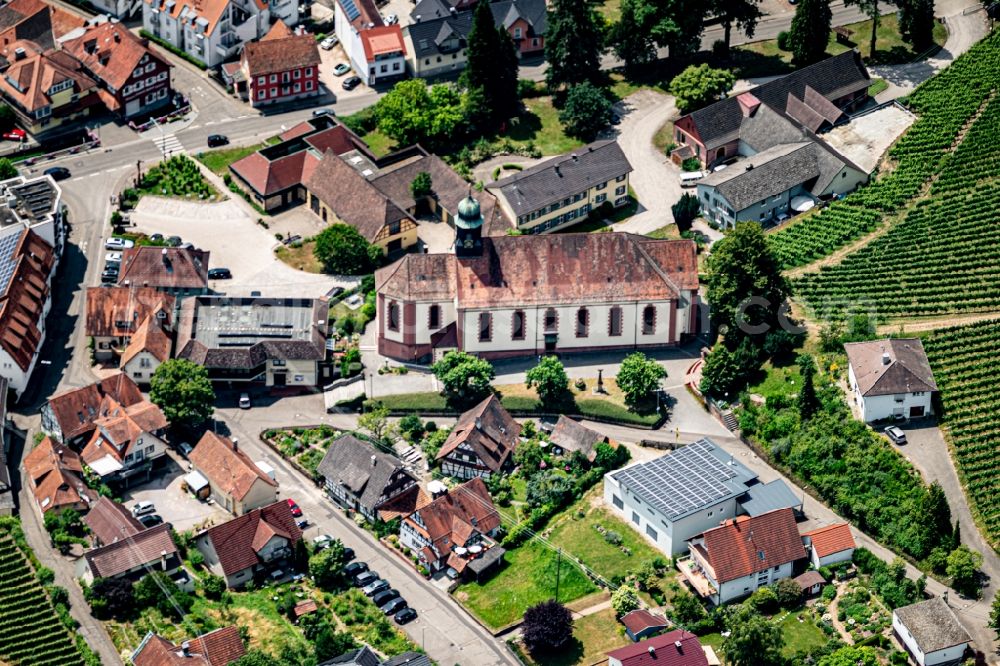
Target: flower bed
[303,446]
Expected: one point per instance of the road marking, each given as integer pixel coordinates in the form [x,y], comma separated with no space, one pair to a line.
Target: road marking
[168,144]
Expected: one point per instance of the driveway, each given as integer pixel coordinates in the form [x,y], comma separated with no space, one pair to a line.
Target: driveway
[236,242]
[174,505]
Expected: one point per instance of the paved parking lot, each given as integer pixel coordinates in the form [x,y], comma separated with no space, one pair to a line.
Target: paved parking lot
[329,60]
[174,505]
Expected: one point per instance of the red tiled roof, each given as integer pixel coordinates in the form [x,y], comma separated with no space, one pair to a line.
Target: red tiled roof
[234,540]
[56,475]
[216,648]
[226,466]
[383,40]
[28,81]
[305,607]
[451,519]
[303,127]
[150,338]
[269,177]
[117,311]
[164,267]
[119,428]
[109,521]
[280,51]
[211,10]
[746,544]
[489,430]
[111,52]
[24,296]
[403,504]
[831,539]
[76,410]
[642,619]
[146,547]
[664,651]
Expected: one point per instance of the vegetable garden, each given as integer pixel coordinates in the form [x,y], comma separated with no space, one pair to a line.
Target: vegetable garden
[945,104]
[30,632]
[962,359]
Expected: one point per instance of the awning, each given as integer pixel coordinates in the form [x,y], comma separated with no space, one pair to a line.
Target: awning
[105,466]
[801,204]
[195,481]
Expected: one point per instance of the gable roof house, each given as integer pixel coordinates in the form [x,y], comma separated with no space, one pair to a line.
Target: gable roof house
[890,379]
[69,416]
[237,483]
[281,67]
[674,648]
[376,51]
[641,623]
[220,647]
[743,554]
[172,270]
[442,533]
[55,474]
[109,521]
[364,479]
[27,263]
[114,314]
[930,633]
[149,347]
[561,191]
[251,544]
[132,557]
[482,442]
[126,440]
[830,544]
[570,436]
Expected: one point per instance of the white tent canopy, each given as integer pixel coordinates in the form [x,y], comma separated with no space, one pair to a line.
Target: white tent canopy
[195,481]
[802,203]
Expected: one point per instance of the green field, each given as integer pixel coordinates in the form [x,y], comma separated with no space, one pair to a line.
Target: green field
[578,536]
[540,125]
[218,161]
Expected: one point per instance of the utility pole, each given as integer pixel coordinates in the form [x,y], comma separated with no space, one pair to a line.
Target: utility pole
[558,571]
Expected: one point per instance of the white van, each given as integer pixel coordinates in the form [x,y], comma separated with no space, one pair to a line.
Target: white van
[691,178]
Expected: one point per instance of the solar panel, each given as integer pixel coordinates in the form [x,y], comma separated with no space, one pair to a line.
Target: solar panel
[7,246]
[351,9]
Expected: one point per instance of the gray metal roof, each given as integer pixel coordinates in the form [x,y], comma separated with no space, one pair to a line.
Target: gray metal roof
[431,33]
[560,177]
[765,497]
[8,263]
[765,174]
[687,480]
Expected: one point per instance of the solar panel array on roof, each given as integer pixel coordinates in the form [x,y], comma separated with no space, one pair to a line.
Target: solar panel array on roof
[686,480]
[351,9]
[7,263]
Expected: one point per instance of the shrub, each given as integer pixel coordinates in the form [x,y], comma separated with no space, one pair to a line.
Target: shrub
[829,592]
[691,164]
[783,44]
[613,538]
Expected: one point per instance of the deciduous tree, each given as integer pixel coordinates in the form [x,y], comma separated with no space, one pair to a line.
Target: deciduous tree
[685,211]
[639,377]
[753,640]
[700,85]
[624,600]
[586,111]
[466,378]
[183,391]
[874,14]
[574,42]
[549,380]
[742,13]
[629,38]
[413,112]
[808,400]
[422,185]
[851,656]
[546,627]
[963,569]
[375,420]
[916,23]
[344,251]
[7,169]
[326,567]
[810,31]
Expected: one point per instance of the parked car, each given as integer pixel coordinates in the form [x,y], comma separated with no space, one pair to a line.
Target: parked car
[322,112]
[156,238]
[109,276]
[391,19]
[245,401]
[322,541]
[365,578]
[150,520]
[143,507]
[174,241]
[16,134]
[58,173]
[215,140]
[296,511]
[116,243]
[355,568]
[393,606]
[219,274]
[185,449]
[341,69]
[349,555]
[112,259]
[385,596]
[329,43]
[351,83]
[895,435]
[405,615]
[276,575]
[374,587]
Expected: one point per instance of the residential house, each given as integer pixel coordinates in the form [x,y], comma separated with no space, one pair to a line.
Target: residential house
[133,77]
[376,51]
[930,633]
[641,623]
[149,347]
[109,521]
[890,379]
[33,203]
[830,545]
[362,656]
[811,582]
[220,647]
[562,191]
[508,296]
[214,31]
[274,341]
[27,264]
[237,483]
[742,555]
[55,475]
[681,494]
[250,544]
[453,529]
[482,442]
[69,416]
[570,436]
[674,648]
[6,487]
[173,270]
[364,479]
[281,67]
[132,557]
[275,176]
[37,21]
[408,659]
[126,441]
[114,314]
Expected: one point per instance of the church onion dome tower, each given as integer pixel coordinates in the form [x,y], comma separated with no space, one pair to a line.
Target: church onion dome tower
[469,228]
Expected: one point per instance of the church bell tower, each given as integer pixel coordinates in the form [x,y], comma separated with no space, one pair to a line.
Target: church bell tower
[468,229]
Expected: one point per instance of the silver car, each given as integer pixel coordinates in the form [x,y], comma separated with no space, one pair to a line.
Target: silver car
[375,587]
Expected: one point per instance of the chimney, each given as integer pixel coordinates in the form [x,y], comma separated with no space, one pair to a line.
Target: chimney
[652,651]
[118,38]
[677,644]
[885,358]
[575,158]
[558,173]
[19,53]
[944,597]
[236,444]
[748,104]
[479,423]
[163,559]
[186,648]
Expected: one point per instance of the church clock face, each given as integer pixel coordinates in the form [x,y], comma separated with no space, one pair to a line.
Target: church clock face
[468,243]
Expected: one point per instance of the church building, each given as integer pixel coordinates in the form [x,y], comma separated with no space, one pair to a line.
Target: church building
[507,296]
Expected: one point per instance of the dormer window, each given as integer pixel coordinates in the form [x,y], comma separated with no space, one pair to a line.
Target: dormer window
[59,87]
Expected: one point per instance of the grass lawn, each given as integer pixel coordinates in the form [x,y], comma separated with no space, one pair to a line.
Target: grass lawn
[218,161]
[340,310]
[300,258]
[528,578]
[540,125]
[801,636]
[593,635]
[664,136]
[379,143]
[877,86]
[784,381]
[178,176]
[666,232]
[714,640]
[611,10]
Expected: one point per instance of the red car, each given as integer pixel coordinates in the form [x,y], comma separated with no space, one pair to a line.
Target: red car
[296,511]
[16,134]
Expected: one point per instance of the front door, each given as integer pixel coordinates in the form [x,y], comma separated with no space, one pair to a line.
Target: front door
[550,343]
[917,412]
[280,378]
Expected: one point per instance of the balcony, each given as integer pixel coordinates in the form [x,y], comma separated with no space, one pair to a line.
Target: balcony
[696,578]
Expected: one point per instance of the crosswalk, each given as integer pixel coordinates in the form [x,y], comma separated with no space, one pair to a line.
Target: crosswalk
[168,144]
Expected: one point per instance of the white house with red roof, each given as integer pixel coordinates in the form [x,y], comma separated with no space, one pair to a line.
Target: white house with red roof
[281,67]
[236,482]
[829,545]
[216,648]
[377,51]
[674,648]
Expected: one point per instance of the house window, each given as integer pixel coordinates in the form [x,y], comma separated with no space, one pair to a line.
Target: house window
[615,321]
[599,199]
[395,66]
[648,320]
[297,87]
[285,78]
[617,501]
[534,41]
[517,325]
[434,317]
[601,186]
[635,518]
[551,320]
[274,92]
[261,80]
[309,71]
[427,61]
[485,327]
[651,533]
[261,93]
[517,33]
[309,85]
[620,190]
[297,74]
[620,178]
[383,69]
[395,228]
[582,322]
[393,316]
[274,78]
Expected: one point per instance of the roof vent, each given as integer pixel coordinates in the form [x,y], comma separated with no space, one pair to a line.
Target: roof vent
[454,10]
[186,648]
[19,53]
[652,651]
[558,173]
[236,444]
[677,644]
[885,358]
[575,157]
[374,460]
[750,167]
